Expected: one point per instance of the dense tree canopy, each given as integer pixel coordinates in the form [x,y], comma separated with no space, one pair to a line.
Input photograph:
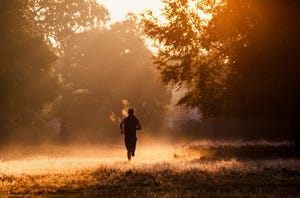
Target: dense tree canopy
[263,61]
[26,67]
[243,62]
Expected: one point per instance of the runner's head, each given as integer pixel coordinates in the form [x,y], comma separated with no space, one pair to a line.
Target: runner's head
[130,111]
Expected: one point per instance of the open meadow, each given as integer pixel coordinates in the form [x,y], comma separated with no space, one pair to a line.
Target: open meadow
[197,169]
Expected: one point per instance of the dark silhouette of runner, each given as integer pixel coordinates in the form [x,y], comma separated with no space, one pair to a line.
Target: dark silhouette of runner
[128,127]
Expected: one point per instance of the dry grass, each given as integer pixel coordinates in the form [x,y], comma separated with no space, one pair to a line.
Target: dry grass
[200,169]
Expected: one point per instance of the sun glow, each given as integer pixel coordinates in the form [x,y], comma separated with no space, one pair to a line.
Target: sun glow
[119,9]
[195,8]
[73,160]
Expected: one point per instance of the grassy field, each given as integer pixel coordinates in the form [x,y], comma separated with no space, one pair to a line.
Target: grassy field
[198,169]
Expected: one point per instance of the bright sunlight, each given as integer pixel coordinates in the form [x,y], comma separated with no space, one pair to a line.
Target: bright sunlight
[119,9]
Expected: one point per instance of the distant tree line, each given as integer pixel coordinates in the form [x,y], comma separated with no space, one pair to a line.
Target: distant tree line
[242,63]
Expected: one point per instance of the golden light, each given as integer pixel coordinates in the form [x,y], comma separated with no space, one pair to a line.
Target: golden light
[73,160]
[119,9]
[193,5]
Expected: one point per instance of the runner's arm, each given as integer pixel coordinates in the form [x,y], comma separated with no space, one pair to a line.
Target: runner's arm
[139,126]
[121,126]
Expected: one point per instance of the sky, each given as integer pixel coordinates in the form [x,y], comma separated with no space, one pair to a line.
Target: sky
[118,9]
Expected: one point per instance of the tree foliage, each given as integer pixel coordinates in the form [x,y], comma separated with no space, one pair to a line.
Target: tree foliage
[61,19]
[242,62]
[26,73]
[183,60]
[263,60]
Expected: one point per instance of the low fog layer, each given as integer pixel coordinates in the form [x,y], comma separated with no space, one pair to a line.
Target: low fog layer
[211,156]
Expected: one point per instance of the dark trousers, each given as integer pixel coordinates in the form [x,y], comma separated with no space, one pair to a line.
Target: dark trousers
[130,143]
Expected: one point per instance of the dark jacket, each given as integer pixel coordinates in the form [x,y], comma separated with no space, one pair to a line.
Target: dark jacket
[131,124]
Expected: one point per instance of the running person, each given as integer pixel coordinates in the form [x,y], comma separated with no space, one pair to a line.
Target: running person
[128,127]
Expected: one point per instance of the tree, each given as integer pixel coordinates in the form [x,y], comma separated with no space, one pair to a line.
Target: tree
[26,76]
[264,64]
[242,63]
[183,61]
[262,68]
[60,21]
